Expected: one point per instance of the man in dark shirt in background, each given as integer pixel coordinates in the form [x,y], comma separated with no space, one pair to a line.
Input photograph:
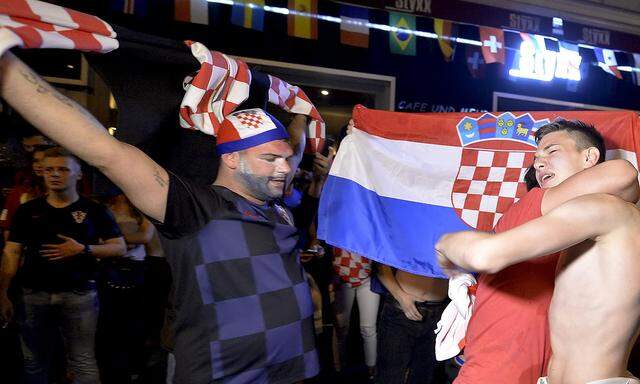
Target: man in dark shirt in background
[60,236]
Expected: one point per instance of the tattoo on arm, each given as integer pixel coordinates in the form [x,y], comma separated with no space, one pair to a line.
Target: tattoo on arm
[161,182]
[45,88]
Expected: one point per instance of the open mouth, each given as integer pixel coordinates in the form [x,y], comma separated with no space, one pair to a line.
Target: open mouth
[546,177]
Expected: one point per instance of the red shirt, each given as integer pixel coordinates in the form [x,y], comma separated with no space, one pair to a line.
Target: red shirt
[507,340]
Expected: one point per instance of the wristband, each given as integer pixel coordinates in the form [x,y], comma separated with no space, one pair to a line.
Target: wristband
[87,250]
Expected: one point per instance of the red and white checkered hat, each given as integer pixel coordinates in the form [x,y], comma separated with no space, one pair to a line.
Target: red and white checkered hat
[248,128]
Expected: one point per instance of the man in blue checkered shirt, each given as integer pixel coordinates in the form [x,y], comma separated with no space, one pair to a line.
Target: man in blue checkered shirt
[244,312]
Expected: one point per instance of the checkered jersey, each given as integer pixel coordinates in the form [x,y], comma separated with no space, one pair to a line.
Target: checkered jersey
[35,24]
[488,182]
[352,268]
[244,310]
[223,83]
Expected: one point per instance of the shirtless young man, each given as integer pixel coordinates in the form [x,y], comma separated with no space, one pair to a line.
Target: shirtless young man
[409,315]
[595,310]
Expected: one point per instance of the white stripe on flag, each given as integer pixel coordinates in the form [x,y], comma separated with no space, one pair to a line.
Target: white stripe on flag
[354,25]
[53,14]
[55,40]
[199,11]
[108,44]
[396,169]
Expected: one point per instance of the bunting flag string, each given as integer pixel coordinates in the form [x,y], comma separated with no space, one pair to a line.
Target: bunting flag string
[355,23]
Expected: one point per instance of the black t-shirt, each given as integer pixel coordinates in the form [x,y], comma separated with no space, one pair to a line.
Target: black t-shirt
[37,222]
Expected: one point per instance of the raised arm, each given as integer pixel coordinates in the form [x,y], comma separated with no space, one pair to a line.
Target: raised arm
[614,177]
[585,217]
[143,181]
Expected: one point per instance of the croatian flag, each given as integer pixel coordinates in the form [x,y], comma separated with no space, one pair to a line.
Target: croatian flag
[401,180]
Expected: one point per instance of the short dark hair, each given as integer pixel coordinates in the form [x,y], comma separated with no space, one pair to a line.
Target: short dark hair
[585,135]
[530,178]
[61,152]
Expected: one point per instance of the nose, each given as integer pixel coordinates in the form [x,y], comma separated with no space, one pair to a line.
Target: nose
[538,163]
[283,167]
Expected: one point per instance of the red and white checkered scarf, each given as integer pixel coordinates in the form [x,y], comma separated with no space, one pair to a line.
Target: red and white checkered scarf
[352,268]
[222,83]
[35,24]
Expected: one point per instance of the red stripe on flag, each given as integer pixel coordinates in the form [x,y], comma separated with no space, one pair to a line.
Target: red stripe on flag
[354,38]
[314,21]
[18,8]
[82,40]
[440,128]
[47,27]
[29,36]
[182,10]
[291,23]
[89,23]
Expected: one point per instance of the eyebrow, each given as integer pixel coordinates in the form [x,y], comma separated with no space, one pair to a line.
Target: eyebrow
[535,155]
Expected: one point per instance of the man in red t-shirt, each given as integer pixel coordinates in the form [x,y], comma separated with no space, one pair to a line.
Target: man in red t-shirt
[507,339]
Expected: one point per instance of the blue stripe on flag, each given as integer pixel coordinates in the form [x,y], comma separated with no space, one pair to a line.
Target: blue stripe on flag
[237,14]
[391,231]
[257,20]
[354,12]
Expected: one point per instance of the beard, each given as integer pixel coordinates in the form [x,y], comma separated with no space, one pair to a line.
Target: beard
[258,186]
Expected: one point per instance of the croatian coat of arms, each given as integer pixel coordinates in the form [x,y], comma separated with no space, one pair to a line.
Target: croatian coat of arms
[78,216]
[496,152]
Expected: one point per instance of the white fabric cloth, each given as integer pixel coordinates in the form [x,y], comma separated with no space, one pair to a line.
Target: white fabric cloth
[452,327]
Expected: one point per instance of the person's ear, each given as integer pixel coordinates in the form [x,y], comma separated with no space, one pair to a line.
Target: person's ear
[591,156]
[231,160]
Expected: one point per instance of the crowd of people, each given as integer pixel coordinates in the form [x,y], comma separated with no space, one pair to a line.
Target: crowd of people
[85,278]
[166,280]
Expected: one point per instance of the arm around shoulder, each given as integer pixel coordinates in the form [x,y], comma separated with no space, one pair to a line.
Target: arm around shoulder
[615,177]
[580,219]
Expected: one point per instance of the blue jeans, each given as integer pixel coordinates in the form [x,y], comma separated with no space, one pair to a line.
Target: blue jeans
[406,348]
[73,314]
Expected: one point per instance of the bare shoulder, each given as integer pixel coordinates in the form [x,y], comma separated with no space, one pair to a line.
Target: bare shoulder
[603,212]
[611,211]
[601,201]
